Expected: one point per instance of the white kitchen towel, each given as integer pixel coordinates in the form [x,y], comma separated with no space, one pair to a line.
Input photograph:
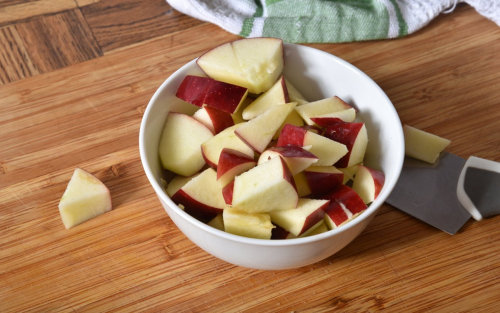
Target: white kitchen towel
[316,21]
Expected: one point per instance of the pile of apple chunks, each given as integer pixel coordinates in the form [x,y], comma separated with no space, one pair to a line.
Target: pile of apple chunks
[259,160]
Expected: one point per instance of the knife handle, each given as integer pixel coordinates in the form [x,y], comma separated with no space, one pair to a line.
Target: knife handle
[478,188]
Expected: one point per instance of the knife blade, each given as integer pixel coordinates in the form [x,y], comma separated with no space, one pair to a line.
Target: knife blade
[447,193]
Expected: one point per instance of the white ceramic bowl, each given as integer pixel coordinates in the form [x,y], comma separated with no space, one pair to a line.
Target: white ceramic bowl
[317,75]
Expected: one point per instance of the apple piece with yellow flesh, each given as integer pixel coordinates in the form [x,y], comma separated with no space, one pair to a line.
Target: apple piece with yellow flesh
[201,197]
[293,118]
[322,228]
[354,136]
[368,183]
[305,218]
[258,132]
[280,233]
[277,94]
[212,148]
[85,197]
[251,225]
[214,119]
[349,172]
[327,150]
[294,94]
[261,60]
[422,145]
[323,179]
[266,187]
[232,163]
[303,189]
[227,192]
[322,107]
[348,198]
[336,215]
[297,158]
[217,222]
[326,120]
[177,182]
[180,142]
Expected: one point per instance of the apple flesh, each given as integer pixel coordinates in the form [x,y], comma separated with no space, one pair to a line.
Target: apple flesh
[258,132]
[368,183]
[177,182]
[354,136]
[201,197]
[293,118]
[232,163]
[212,148]
[251,225]
[180,144]
[323,179]
[85,197]
[422,145]
[301,220]
[266,187]
[303,189]
[322,228]
[297,158]
[217,222]
[336,215]
[214,119]
[294,94]
[327,150]
[323,108]
[277,94]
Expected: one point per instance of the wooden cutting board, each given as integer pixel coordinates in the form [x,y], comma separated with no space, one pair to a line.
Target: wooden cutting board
[82,107]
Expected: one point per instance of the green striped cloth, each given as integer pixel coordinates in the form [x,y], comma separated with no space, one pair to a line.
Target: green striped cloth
[317,21]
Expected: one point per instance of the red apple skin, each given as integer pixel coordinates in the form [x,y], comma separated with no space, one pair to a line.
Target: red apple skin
[336,213]
[293,152]
[291,135]
[287,175]
[193,89]
[322,183]
[345,133]
[326,121]
[378,180]
[279,233]
[348,197]
[313,128]
[230,158]
[195,208]
[227,192]
[225,97]
[313,218]
[220,119]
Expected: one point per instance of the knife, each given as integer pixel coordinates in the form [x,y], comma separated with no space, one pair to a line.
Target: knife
[447,193]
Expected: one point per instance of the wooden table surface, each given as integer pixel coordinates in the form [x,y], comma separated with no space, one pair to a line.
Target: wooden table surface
[75,79]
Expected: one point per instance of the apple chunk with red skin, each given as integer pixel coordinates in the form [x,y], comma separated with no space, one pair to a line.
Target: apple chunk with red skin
[180,142]
[323,179]
[354,136]
[216,120]
[232,163]
[258,132]
[308,214]
[297,158]
[199,90]
[201,196]
[327,150]
[277,94]
[345,205]
[368,183]
[326,107]
[212,148]
[266,187]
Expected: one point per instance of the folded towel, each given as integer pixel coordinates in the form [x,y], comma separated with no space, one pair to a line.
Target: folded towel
[317,21]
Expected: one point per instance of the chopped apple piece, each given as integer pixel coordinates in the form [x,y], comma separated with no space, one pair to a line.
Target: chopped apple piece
[327,150]
[368,183]
[177,182]
[422,145]
[180,144]
[212,148]
[85,198]
[232,163]
[348,116]
[280,233]
[277,94]
[354,136]
[252,225]
[322,228]
[227,192]
[258,132]
[193,89]
[336,215]
[217,222]
[299,221]
[238,115]
[303,189]
[201,196]
[349,199]
[294,94]
[266,187]
[323,179]
[293,118]
[297,158]
[261,60]
[321,107]
[214,119]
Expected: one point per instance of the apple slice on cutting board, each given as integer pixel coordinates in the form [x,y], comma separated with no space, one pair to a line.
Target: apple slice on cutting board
[85,198]
[422,145]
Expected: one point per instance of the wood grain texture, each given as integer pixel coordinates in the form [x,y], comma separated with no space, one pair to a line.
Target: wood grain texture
[442,79]
[15,10]
[15,63]
[119,23]
[59,40]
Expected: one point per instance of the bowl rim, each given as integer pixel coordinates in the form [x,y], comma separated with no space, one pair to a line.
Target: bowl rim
[372,208]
